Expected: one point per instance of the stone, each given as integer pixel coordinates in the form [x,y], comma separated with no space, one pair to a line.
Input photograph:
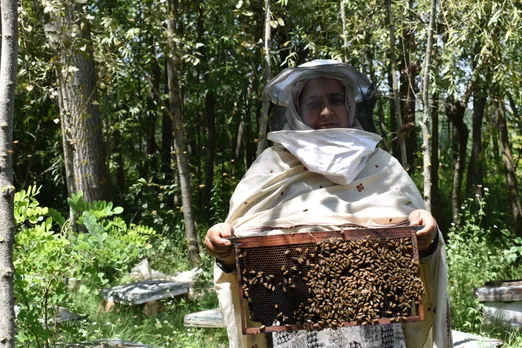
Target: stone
[141,271]
[62,315]
[144,291]
[211,318]
[106,306]
[74,284]
[152,308]
[187,276]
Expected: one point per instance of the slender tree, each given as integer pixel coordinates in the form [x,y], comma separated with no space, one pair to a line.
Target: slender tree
[151,113]
[455,112]
[210,101]
[371,67]
[507,158]
[475,166]
[408,66]
[176,110]
[426,117]
[166,139]
[395,88]
[345,33]
[263,122]
[8,68]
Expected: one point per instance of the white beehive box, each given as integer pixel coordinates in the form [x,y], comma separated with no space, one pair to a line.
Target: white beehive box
[502,302]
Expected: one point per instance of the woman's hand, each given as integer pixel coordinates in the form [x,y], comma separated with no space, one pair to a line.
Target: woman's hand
[220,247]
[426,235]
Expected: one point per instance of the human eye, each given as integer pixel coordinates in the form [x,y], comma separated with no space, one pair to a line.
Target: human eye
[313,104]
[337,100]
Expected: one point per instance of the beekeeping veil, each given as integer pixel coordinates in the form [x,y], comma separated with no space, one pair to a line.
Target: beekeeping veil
[338,154]
[284,90]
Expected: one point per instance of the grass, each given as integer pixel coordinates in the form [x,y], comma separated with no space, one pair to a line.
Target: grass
[512,337]
[131,324]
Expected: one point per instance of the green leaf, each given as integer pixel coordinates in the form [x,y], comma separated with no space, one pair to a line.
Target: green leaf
[56,216]
[117,210]
[91,223]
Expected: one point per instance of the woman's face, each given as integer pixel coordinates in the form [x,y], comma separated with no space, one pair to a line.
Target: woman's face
[322,104]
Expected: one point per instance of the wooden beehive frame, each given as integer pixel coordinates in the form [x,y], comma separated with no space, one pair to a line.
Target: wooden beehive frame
[302,238]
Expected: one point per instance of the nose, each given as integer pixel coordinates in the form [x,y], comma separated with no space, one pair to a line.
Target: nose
[326,111]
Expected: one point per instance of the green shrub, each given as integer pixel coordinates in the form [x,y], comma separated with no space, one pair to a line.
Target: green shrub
[475,255]
[47,253]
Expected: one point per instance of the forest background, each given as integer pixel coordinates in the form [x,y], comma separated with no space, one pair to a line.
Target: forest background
[134,121]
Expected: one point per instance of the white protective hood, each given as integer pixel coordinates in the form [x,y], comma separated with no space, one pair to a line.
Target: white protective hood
[339,154]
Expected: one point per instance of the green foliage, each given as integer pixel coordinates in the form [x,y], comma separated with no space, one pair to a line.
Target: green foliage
[154,204]
[218,203]
[45,258]
[475,255]
[99,209]
[27,208]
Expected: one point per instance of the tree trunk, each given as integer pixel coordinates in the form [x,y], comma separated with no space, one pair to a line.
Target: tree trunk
[382,125]
[476,163]
[8,68]
[240,139]
[248,143]
[517,121]
[120,170]
[166,148]
[196,142]
[151,115]
[427,109]
[345,34]
[81,125]
[436,203]
[408,73]
[455,112]
[179,136]
[263,122]
[284,36]
[395,88]
[507,158]
[514,109]
[395,148]
[44,110]
[210,101]
[166,140]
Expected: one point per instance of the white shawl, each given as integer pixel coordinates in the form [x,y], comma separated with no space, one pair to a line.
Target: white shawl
[278,192]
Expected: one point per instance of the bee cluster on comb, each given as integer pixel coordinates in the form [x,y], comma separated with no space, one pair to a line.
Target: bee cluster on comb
[360,281]
[331,282]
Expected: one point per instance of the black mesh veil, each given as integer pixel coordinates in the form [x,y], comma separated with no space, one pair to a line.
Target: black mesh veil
[363,114]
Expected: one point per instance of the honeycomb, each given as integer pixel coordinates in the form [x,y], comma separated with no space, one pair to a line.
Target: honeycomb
[318,280]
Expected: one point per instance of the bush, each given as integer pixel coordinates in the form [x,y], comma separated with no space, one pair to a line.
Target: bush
[47,253]
[476,255]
